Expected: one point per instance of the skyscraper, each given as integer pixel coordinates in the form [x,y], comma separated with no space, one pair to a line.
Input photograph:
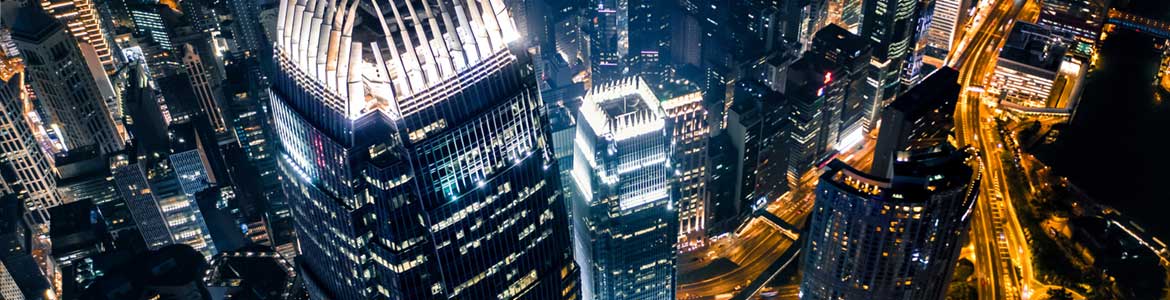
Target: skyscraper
[689,133]
[816,98]
[85,23]
[624,212]
[208,96]
[609,40]
[850,55]
[947,22]
[24,167]
[889,25]
[920,118]
[416,154]
[65,87]
[163,214]
[872,237]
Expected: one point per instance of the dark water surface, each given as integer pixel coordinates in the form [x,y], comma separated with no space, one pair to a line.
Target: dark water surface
[1117,147]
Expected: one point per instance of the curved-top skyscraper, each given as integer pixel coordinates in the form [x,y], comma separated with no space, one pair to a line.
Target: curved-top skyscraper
[416,154]
[894,238]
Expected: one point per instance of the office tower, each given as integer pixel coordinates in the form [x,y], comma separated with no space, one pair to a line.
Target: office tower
[25,167]
[689,133]
[889,25]
[912,69]
[851,14]
[163,214]
[83,21]
[816,101]
[1034,69]
[417,170]
[609,40]
[873,237]
[78,232]
[189,160]
[149,26]
[651,41]
[799,19]
[569,38]
[946,24]
[201,17]
[920,118]
[205,93]
[85,174]
[248,31]
[66,90]
[724,210]
[20,279]
[757,123]
[147,113]
[850,55]
[624,213]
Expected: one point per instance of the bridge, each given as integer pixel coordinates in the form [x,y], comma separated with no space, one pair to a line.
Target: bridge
[1157,28]
[787,229]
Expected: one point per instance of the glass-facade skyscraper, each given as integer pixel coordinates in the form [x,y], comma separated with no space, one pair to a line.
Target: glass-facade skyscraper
[625,216]
[416,153]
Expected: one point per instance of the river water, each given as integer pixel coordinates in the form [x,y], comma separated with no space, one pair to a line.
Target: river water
[1117,147]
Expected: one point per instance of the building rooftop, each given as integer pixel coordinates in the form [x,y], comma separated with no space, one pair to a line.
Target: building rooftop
[623,109]
[253,270]
[940,90]
[917,174]
[1034,45]
[33,24]
[27,274]
[841,39]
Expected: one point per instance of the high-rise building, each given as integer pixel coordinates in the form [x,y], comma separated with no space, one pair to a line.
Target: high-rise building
[689,134]
[20,279]
[21,276]
[758,129]
[85,23]
[920,118]
[148,24]
[163,214]
[889,25]
[67,91]
[189,159]
[609,40]
[816,99]
[850,55]
[24,167]
[207,95]
[417,170]
[625,214]
[873,237]
[85,174]
[946,24]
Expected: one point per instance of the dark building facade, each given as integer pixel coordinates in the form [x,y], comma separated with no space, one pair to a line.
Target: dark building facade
[873,237]
[417,170]
[922,117]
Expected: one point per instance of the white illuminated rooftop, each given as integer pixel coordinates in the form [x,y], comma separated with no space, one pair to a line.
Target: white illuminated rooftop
[623,109]
[393,56]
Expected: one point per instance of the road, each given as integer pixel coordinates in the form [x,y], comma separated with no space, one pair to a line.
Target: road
[758,244]
[1003,257]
